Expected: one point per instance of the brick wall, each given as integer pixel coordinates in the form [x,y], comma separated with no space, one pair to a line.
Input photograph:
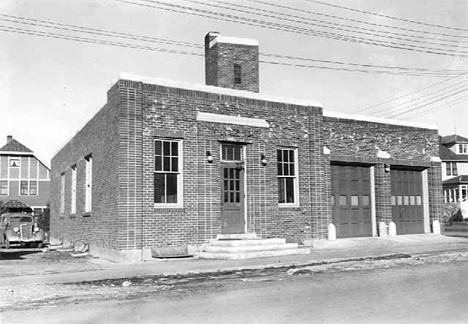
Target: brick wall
[356,141]
[171,113]
[99,137]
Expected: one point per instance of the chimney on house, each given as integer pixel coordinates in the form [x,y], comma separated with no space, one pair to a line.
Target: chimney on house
[9,138]
[231,62]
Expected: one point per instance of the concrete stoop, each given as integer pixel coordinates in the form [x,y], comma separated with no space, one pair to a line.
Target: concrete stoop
[248,246]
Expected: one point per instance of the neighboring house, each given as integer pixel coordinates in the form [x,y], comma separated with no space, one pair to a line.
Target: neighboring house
[168,164]
[453,152]
[24,178]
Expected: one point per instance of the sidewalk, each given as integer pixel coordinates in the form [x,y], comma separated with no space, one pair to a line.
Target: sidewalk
[322,252]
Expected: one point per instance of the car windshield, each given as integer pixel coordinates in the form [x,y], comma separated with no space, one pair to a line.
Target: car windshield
[21,219]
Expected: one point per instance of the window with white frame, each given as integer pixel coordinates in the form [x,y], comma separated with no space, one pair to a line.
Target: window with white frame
[4,187]
[62,193]
[288,187]
[167,172]
[28,188]
[73,190]
[451,168]
[463,148]
[88,183]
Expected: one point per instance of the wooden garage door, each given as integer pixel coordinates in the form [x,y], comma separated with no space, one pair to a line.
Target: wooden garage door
[407,206]
[351,192]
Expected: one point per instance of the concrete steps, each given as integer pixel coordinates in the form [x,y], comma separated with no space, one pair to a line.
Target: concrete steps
[248,246]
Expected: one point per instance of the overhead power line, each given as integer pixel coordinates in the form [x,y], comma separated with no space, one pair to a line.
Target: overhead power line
[409,94]
[386,16]
[331,25]
[421,31]
[120,35]
[288,28]
[445,105]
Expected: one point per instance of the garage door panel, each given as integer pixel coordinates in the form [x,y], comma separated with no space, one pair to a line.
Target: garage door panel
[407,209]
[351,196]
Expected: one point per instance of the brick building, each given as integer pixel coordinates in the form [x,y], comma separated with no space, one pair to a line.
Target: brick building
[168,163]
[24,178]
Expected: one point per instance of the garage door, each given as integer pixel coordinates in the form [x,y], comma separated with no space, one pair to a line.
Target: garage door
[407,206]
[351,192]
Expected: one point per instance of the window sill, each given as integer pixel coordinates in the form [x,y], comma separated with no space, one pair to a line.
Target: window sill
[290,206]
[72,215]
[168,206]
[87,214]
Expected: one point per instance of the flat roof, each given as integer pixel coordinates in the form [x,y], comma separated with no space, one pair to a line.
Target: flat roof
[379,120]
[218,90]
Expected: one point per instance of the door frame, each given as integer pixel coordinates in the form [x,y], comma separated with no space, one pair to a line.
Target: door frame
[244,176]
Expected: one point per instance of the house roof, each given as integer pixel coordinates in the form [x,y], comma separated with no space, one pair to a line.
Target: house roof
[461,179]
[453,139]
[447,154]
[15,146]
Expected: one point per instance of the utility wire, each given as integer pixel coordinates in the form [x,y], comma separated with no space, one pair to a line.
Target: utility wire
[319,23]
[288,28]
[404,107]
[135,46]
[445,105]
[356,21]
[386,16]
[94,31]
[393,115]
[409,94]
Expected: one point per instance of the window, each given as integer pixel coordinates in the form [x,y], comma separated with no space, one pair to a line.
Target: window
[287,176]
[62,193]
[167,172]
[33,188]
[237,74]
[451,168]
[462,148]
[14,163]
[73,190]
[28,188]
[4,187]
[88,183]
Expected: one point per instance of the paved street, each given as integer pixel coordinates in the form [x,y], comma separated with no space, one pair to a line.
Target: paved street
[429,289]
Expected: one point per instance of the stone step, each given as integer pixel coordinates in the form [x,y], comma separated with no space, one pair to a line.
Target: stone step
[250,248]
[248,242]
[251,255]
[248,236]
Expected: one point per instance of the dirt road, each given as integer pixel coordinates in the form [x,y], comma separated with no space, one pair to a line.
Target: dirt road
[429,288]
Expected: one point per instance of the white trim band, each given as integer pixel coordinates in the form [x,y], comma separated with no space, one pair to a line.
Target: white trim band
[236,120]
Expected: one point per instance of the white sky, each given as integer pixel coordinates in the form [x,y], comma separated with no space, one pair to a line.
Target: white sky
[49,88]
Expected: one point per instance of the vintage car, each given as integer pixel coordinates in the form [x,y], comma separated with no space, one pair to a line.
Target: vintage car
[20,229]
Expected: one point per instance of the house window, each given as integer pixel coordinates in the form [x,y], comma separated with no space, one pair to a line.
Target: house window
[33,188]
[28,188]
[14,163]
[167,172]
[73,190]
[287,177]
[451,168]
[4,187]
[62,193]
[88,183]
[462,148]
[237,74]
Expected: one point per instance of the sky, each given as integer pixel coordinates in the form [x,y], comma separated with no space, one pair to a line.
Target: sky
[50,87]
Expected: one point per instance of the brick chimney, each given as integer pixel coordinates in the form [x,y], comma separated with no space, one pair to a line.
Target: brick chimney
[231,62]
[9,138]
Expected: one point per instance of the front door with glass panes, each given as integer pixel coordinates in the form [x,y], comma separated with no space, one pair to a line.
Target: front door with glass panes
[232,189]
